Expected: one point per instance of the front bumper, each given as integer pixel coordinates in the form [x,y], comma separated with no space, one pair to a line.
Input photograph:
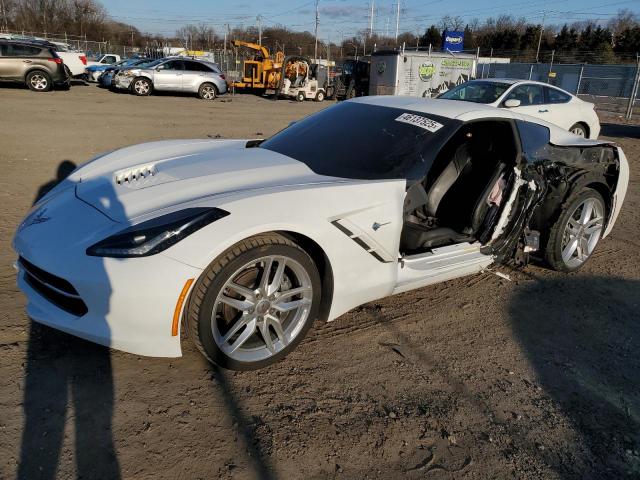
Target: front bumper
[122,82]
[128,311]
[130,303]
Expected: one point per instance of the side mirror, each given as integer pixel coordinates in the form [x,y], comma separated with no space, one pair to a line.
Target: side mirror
[512,103]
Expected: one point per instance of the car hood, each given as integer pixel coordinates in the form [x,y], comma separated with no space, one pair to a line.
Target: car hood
[136,180]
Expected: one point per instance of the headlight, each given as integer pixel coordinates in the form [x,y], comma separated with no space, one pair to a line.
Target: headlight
[131,73]
[155,235]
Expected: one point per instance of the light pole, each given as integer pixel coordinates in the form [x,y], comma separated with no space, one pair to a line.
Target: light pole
[544,16]
[315,50]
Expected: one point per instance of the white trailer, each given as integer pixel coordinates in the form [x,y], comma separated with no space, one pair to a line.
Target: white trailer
[418,74]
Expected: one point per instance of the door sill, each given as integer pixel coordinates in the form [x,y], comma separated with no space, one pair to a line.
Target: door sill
[439,265]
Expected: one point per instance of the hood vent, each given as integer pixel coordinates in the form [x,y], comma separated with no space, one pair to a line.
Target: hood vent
[137,176]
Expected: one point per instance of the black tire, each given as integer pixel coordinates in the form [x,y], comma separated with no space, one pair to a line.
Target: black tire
[138,86]
[319,96]
[553,249]
[208,91]
[205,292]
[580,130]
[39,81]
[300,97]
[331,92]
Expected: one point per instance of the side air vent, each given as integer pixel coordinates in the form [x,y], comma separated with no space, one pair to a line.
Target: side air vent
[136,175]
[361,241]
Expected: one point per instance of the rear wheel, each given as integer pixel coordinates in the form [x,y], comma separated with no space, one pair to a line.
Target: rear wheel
[574,236]
[579,129]
[254,303]
[39,81]
[141,86]
[207,91]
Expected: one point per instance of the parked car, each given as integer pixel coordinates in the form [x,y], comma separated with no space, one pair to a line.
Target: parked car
[93,72]
[104,59]
[107,77]
[247,242]
[537,99]
[39,66]
[74,60]
[175,75]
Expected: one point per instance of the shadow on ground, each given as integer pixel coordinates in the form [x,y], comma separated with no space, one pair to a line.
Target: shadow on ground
[68,380]
[582,337]
[620,131]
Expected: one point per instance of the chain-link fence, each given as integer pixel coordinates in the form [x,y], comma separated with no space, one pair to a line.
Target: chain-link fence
[612,87]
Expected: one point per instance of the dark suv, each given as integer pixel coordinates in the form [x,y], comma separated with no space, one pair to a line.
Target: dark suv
[38,65]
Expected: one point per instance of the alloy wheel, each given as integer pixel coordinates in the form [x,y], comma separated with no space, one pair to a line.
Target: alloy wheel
[582,232]
[578,130]
[39,82]
[261,308]
[208,92]
[141,87]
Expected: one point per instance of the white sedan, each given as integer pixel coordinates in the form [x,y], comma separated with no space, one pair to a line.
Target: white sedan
[537,99]
[245,243]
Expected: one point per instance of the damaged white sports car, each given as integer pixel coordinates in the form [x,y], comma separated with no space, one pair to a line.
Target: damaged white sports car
[246,243]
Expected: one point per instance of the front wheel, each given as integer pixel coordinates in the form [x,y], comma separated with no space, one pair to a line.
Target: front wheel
[254,303]
[207,91]
[301,97]
[142,86]
[39,81]
[574,236]
[320,96]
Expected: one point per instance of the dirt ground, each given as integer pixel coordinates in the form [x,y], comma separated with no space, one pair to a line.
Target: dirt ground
[533,378]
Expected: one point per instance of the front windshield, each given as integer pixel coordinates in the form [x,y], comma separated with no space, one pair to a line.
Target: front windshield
[361,141]
[478,92]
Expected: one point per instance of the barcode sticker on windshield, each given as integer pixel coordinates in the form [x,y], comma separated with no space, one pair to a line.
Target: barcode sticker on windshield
[418,121]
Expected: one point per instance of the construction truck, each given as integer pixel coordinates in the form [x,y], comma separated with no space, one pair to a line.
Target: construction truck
[261,72]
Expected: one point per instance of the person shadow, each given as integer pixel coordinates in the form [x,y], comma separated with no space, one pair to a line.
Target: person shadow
[68,379]
[580,334]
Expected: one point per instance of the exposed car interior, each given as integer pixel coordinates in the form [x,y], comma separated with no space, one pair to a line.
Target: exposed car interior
[461,198]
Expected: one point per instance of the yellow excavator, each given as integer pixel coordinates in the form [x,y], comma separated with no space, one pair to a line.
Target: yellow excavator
[261,72]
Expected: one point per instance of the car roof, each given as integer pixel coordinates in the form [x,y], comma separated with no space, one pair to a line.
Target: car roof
[443,108]
[514,81]
[468,111]
[31,43]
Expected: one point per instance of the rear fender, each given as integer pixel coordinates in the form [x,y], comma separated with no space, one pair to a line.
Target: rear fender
[602,167]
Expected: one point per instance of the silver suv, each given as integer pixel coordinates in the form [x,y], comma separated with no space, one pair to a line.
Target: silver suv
[36,64]
[175,75]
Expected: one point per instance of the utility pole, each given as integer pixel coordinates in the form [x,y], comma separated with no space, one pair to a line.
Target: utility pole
[259,18]
[544,16]
[315,50]
[371,19]
[397,20]
[225,39]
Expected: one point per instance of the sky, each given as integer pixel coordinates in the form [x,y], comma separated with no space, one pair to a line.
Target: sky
[344,18]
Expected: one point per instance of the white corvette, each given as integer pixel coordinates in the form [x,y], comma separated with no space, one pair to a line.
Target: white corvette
[246,243]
